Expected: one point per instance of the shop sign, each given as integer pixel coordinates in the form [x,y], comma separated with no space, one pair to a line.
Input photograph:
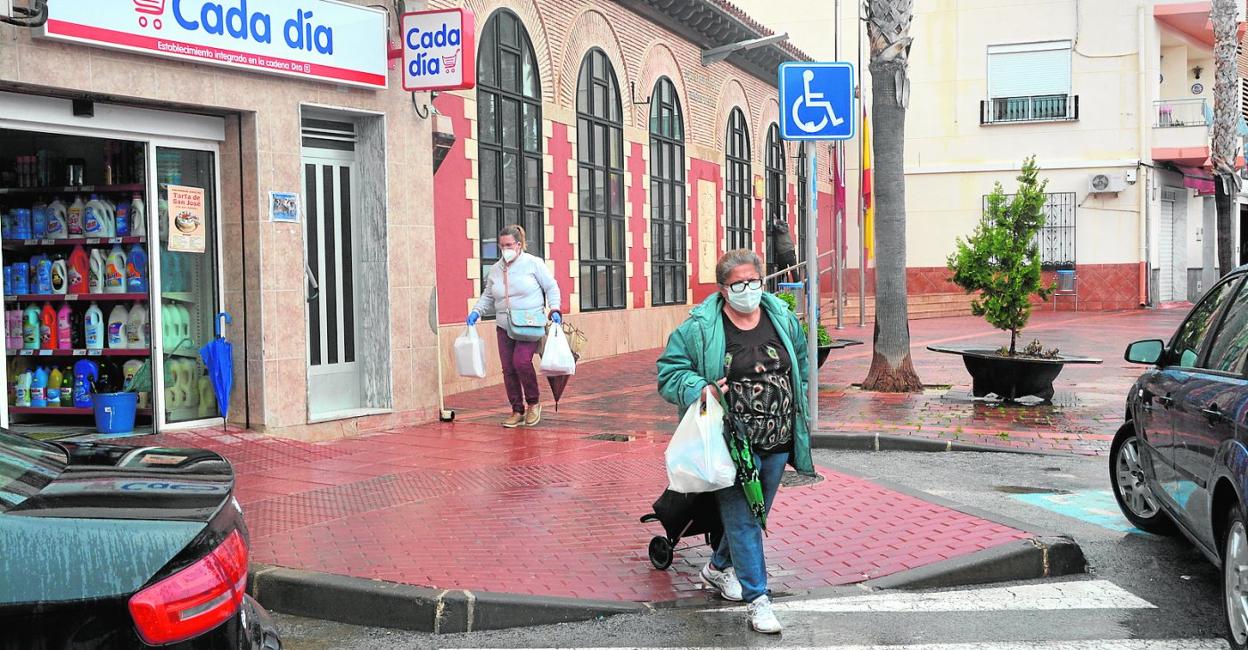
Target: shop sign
[323,40]
[439,50]
[186,219]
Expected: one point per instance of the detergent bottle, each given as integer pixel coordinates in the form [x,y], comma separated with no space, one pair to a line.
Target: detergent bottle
[76,271]
[19,277]
[117,327]
[93,325]
[207,398]
[138,216]
[74,217]
[53,391]
[67,387]
[39,388]
[39,220]
[65,327]
[47,327]
[23,389]
[97,219]
[115,270]
[184,326]
[136,270]
[30,328]
[60,275]
[13,329]
[43,276]
[138,328]
[121,219]
[95,272]
[57,220]
[86,373]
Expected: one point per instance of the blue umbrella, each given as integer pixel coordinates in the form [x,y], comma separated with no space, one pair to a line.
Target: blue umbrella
[218,356]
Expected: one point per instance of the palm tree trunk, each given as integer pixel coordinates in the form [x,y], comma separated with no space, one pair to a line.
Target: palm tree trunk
[1225,120]
[888,25]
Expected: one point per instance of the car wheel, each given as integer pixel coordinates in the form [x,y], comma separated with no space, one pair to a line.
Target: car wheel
[1131,490]
[1235,578]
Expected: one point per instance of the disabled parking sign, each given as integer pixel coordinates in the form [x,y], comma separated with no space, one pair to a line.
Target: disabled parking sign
[817,101]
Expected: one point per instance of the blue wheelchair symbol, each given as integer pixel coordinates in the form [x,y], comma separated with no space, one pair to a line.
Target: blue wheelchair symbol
[817,101]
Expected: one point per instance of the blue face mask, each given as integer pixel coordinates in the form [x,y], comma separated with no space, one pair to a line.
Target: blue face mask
[745,302]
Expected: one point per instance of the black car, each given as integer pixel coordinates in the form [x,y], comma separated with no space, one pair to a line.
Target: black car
[1180,460]
[109,546]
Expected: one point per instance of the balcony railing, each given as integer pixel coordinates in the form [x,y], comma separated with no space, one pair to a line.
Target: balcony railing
[1036,108]
[1174,113]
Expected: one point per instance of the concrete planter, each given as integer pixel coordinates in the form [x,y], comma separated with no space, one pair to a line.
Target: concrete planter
[1010,378]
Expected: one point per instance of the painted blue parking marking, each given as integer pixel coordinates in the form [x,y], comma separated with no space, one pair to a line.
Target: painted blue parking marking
[1096,507]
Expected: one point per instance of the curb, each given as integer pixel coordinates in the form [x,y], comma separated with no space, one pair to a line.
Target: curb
[893,442]
[377,603]
[1028,559]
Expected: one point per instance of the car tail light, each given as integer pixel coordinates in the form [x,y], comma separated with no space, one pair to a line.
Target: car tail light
[195,599]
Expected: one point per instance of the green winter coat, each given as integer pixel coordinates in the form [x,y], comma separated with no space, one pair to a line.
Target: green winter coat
[694,358]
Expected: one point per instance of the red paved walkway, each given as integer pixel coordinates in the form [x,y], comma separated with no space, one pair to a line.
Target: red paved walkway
[547,511]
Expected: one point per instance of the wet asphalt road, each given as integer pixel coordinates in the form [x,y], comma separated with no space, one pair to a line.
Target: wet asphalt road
[1172,577]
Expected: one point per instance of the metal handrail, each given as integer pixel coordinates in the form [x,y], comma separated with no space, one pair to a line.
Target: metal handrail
[799,265]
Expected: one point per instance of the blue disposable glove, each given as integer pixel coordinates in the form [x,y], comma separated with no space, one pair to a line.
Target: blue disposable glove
[555,317]
[473,317]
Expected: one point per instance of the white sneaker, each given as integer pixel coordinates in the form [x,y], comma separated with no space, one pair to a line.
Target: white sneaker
[762,619]
[725,582]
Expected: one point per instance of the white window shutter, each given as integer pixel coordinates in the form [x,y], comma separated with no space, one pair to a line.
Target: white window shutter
[1029,70]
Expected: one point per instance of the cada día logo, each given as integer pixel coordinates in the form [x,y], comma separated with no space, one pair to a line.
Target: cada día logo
[438,49]
[235,20]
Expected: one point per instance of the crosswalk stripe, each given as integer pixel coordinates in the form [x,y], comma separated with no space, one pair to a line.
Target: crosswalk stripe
[1084,594]
[1091,644]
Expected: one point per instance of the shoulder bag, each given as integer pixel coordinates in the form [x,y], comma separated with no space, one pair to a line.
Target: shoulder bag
[523,324]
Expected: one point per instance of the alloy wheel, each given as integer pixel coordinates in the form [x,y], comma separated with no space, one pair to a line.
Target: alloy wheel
[1235,581]
[1130,478]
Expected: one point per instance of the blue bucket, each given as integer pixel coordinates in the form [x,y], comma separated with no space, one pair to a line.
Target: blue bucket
[114,412]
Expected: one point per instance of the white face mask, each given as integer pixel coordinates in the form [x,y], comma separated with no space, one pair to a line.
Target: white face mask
[745,302]
[509,255]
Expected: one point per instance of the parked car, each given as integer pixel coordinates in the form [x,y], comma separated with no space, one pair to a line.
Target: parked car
[1180,462]
[109,546]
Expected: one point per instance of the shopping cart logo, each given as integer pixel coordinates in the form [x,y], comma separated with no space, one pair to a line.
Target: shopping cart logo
[448,62]
[154,8]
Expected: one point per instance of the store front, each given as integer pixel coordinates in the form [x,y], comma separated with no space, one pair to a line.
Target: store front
[95,286]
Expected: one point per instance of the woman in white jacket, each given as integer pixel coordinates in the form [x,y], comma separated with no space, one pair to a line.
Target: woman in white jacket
[518,281]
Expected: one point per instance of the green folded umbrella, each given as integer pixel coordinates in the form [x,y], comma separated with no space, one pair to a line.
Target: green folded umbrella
[743,457]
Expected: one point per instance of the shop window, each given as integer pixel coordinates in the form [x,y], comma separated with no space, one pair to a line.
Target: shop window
[777,188]
[737,213]
[509,128]
[668,243]
[600,184]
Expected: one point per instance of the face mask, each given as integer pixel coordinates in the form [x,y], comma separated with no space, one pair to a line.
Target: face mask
[509,255]
[746,301]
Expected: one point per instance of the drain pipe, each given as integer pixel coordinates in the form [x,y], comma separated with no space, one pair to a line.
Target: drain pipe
[1143,49]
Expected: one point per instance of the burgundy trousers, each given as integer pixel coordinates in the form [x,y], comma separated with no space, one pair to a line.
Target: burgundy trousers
[518,374]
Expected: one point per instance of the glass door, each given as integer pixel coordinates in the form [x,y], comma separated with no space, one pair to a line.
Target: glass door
[186,271]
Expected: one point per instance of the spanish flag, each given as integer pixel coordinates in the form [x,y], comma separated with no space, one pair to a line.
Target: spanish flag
[868,210]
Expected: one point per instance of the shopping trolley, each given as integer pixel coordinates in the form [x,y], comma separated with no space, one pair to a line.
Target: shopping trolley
[150,8]
[448,62]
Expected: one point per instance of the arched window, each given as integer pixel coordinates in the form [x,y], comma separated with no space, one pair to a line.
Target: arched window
[668,262]
[803,189]
[777,188]
[600,184]
[737,213]
[509,128]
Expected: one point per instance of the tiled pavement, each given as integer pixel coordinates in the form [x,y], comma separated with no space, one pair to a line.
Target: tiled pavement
[550,511]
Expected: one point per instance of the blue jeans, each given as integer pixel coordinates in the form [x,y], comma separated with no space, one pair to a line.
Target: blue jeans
[742,545]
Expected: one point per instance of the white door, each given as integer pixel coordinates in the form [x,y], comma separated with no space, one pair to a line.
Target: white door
[331,242]
[1165,249]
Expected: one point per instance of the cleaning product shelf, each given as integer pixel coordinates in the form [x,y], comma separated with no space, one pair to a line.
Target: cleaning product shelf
[60,410]
[179,296]
[80,352]
[80,189]
[80,297]
[75,241]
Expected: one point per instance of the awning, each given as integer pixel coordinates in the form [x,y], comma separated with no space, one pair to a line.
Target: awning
[1197,179]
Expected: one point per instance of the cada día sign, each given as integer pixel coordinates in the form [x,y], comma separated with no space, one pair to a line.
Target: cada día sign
[439,50]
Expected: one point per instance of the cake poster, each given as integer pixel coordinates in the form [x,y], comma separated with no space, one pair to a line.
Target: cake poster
[186,219]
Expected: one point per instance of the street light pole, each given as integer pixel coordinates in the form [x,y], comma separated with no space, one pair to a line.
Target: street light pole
[812,289]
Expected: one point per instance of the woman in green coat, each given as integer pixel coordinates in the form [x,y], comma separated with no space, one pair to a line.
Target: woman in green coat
[749,344]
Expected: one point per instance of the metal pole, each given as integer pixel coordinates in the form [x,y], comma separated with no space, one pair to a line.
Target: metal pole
[862,206]
[838,210]
[812,288]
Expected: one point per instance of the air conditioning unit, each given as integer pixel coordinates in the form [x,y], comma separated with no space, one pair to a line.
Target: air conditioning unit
[1100,183]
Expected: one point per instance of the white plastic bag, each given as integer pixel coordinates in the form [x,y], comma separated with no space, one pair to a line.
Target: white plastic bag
[470,353]
[557,358]
[697,456]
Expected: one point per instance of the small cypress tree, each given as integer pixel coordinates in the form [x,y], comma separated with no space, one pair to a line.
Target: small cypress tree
[1001,259]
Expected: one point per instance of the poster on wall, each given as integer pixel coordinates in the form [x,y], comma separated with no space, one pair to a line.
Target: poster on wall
[284,207]
[186,219]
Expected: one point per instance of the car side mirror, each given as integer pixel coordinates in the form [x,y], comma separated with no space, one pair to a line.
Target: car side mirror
[1147,352]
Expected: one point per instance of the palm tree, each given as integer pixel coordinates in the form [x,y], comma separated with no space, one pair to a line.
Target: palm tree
[888,28]
[1225,119]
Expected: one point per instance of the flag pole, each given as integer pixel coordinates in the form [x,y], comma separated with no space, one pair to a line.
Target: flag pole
[838,208]
[862,221]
